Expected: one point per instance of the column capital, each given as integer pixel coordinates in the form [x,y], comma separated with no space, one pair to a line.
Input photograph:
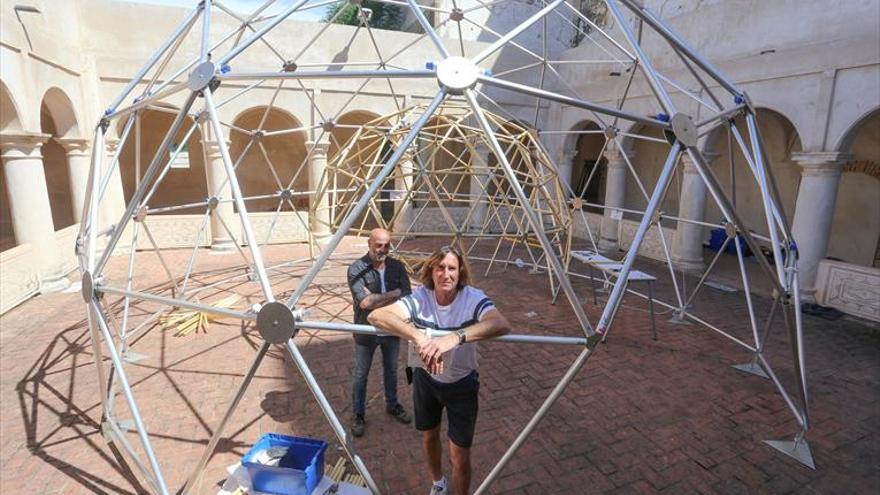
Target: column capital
[22,144]
[821,162]
[212,146]
[74,146]
[319,148]
[111,144]
[688,166]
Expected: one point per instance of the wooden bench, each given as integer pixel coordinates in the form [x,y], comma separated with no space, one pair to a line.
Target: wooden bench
[611,268]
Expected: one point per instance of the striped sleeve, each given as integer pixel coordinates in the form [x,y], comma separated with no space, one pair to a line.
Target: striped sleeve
[483,306]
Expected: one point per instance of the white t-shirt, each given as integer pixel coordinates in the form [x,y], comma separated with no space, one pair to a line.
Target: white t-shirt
[469,306]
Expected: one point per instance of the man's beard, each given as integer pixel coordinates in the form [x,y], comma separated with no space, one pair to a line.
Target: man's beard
[381,257]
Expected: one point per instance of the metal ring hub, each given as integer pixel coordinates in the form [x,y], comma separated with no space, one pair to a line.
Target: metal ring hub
[201,76]
[457,74]
[684,129]
[275,323]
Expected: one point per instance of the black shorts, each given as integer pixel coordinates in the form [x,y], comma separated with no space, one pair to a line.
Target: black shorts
[461,400]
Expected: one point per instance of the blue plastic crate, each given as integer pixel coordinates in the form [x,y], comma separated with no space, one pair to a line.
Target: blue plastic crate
[297,473]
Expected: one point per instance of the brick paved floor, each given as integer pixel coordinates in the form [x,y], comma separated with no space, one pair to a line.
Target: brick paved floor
[644,416]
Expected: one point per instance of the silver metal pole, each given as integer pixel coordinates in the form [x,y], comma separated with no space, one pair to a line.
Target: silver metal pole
[537,16]
[94,215]
[539,415]
[212,443]
[256,255]
[616,296]
[129,398]
[574,102]
[179,303]
[534,220]
[256,35]
[349,220]
[798,337]
[370,330]
[148,176]
[206,30]
[155,58]
[325,74]
[644,62]
[429,30]
[327,409]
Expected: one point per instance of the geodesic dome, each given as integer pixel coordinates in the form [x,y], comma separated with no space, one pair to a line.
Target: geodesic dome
[461,150]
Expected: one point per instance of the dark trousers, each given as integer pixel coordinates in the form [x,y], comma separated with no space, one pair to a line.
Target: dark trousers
[363,357]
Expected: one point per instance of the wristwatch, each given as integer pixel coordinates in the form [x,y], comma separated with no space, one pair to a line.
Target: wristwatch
[462,336]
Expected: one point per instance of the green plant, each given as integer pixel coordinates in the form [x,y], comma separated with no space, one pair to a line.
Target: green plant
[384,16]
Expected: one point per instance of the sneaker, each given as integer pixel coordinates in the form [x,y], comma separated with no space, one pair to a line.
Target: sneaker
[399,413]
[357,426]
[439,487]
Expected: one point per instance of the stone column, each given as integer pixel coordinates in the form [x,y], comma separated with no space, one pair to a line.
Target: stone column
[79,161]
[319,202]
[615,191]
[687,248]
[29,204]
[564,166]
[113,204]
[814,211]
[479,184]
[219,189]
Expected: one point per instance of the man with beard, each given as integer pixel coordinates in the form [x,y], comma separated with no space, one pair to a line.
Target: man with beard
[376,280]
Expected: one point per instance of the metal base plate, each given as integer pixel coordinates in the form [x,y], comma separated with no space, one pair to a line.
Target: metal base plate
[133,357]
[752,368]
[678,320]
[800,450]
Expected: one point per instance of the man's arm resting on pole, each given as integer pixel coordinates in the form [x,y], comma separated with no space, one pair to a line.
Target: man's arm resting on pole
[392,320]
[493,324]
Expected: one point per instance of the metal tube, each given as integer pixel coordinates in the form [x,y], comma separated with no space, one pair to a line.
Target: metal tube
[120,437]
[370,330]
[567,100]
[534,220]
[327,409]
[256,35]
[256,255]
[171,302]
[429,30]
[537,16]
[782,391]
[327,74]
[206,30]
[644,62]
[731,215]
[129,398]
[616,296]
[539,415]
[155,58]
[148,177]
[798,337]
[161,95]
[94,215]
[356,210]
[212,443]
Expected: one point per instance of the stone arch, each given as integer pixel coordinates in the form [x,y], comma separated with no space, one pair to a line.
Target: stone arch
[781,139]
[63,113]
[265,156]
[9,122]
[58,119]
[855,226]
[587,147]
[647,156]
[10,116]
[185,181]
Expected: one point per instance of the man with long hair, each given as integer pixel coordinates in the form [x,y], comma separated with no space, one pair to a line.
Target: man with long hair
[448,377]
